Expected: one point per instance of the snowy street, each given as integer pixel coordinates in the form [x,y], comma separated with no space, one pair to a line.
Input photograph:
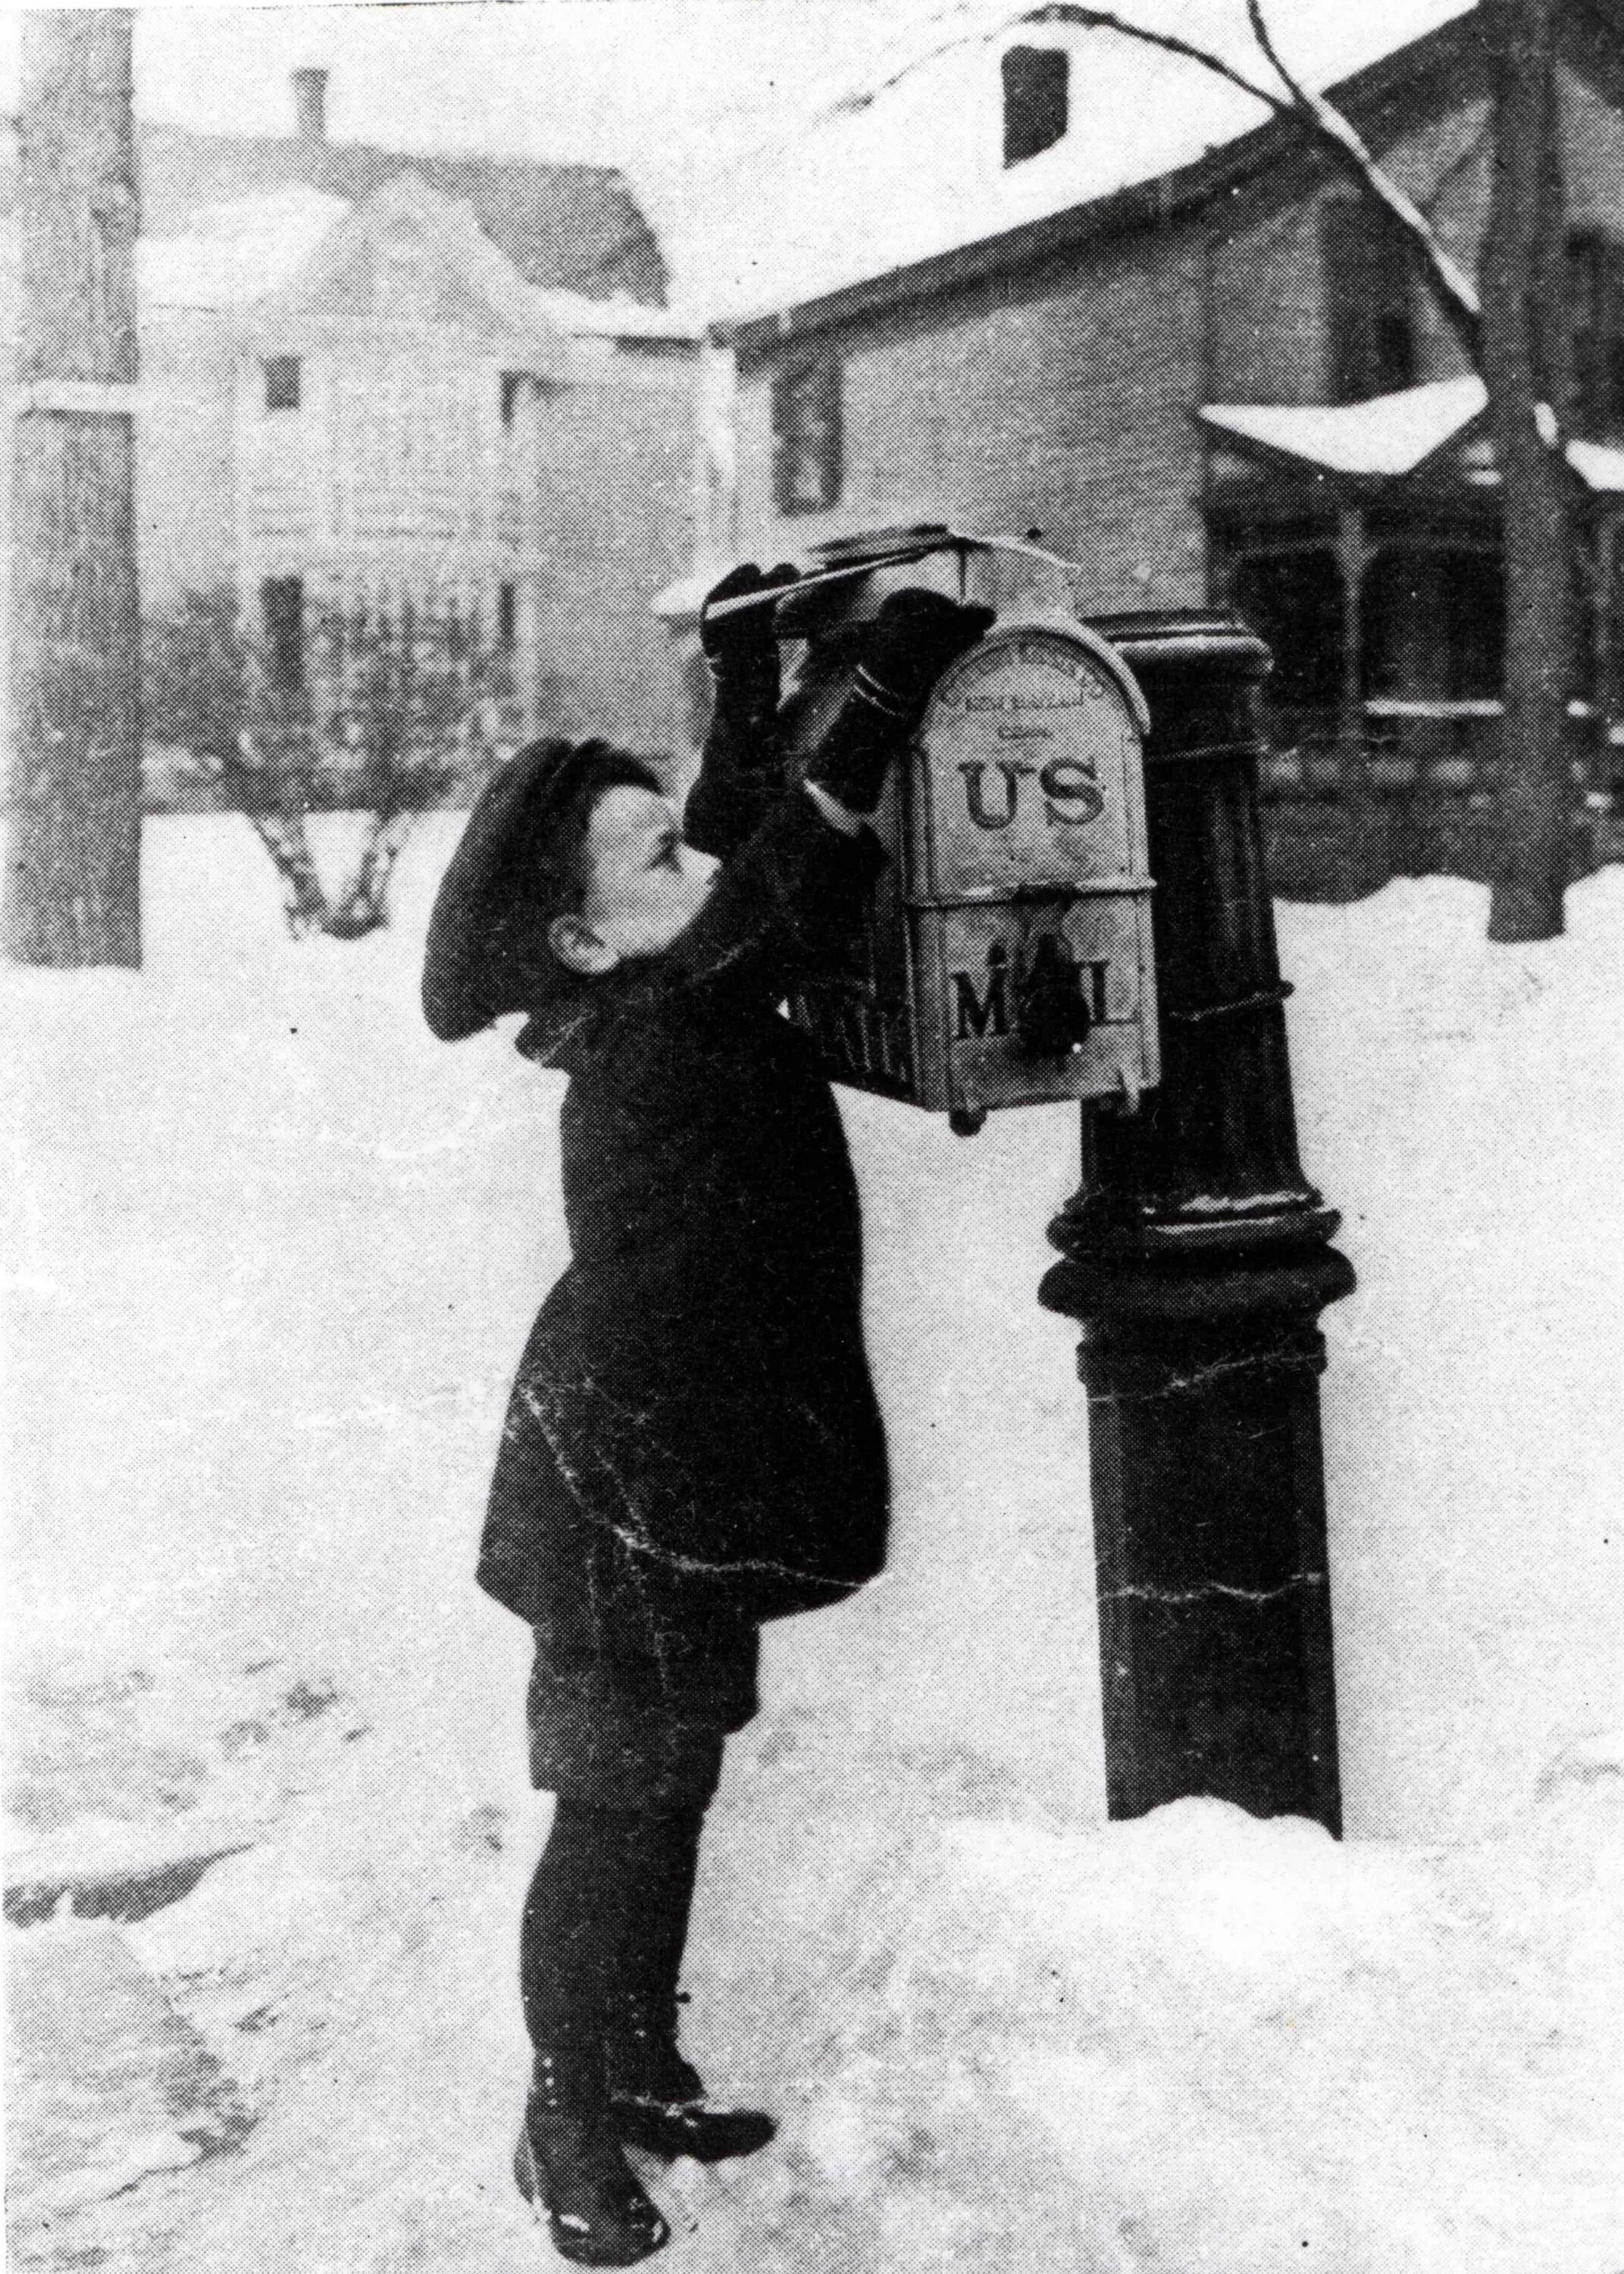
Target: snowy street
[274,1254]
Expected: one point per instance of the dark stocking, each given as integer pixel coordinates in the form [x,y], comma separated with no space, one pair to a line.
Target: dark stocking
[663,1860]
[656,2096]
[574,1916]
[606,1919]
[605,1929]
[569,2152]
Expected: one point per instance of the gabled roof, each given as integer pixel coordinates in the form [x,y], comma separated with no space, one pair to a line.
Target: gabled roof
[237,252]
[276,253]
[899,196]
[572,228]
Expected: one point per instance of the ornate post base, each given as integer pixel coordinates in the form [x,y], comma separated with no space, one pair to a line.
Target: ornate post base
[1197,1259]
[1209,1529]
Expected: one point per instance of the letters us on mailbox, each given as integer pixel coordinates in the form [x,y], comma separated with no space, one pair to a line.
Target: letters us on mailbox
[1007,956]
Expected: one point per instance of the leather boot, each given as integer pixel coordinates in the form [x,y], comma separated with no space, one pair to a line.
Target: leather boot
[570,2162]
[657,2101]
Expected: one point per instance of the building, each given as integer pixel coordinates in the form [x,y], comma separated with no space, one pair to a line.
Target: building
[1114,308]
[372,381]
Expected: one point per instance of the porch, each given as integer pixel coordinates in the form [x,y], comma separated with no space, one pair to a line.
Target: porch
[1363,542]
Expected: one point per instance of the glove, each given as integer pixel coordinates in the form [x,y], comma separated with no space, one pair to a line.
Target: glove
[909,645]
[742,651]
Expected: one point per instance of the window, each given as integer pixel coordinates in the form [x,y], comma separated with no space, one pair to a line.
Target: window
[1596,277]
[1370,307]
[512,387]
[283,375]
[1036,87]
[654,349]
[506,614]
[1294,601]
[282,606]
[1434,626]
[806,437]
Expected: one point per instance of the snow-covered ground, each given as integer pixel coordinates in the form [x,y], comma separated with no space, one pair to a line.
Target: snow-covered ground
[275,1252]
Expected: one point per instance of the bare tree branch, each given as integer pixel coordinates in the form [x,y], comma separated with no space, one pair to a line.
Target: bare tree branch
[1098,20]
[1471,152]
[1106,20]
[1456,292]
[1515,332]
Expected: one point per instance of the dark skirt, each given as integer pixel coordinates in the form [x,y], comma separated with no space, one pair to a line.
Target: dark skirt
[633,1734]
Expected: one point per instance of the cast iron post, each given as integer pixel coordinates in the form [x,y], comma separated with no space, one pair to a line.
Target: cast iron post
[1197,1258]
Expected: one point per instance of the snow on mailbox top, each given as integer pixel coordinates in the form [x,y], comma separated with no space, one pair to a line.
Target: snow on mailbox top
[1027,778]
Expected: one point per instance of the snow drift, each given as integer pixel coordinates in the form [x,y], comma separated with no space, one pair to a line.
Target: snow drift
[275,1254]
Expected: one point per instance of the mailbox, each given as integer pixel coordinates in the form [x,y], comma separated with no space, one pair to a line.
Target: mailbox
[1007,958]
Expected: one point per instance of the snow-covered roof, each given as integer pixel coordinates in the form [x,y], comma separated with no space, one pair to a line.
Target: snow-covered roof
[911,165]
[239,251]
[1390,435]
[249,253]
[569,228]
[1387,437]
[621,318]
[1600,466]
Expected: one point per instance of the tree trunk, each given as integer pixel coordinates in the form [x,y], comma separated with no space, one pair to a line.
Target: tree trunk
[303,902]
[73,867]
[1525,359]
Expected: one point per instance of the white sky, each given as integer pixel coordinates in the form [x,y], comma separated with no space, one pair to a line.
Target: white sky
[684,93]
[673,90]
[548,79]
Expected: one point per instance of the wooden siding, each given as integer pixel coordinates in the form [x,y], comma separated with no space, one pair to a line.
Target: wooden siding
[1063,408]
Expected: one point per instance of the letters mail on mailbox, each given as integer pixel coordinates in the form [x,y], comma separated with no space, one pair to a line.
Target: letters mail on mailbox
[1007,959]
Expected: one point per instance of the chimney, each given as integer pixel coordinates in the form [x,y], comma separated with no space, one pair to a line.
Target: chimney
[309,104]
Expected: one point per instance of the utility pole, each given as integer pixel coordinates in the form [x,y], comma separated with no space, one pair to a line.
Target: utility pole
[72,881]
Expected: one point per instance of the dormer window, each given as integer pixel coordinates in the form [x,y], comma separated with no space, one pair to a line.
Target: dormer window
[1036,100]
[1596,279]
[283,382]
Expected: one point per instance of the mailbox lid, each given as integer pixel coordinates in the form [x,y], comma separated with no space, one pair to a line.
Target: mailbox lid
[1025,774]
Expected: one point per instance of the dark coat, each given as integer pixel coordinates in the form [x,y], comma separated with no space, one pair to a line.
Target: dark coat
[693,1443]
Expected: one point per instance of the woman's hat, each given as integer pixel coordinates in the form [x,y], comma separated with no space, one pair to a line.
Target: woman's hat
[513,871]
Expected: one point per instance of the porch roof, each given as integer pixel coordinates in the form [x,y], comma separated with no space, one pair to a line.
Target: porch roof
[1386,440]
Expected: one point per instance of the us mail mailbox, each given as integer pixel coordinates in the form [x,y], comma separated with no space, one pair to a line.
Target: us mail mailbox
[1007,958]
